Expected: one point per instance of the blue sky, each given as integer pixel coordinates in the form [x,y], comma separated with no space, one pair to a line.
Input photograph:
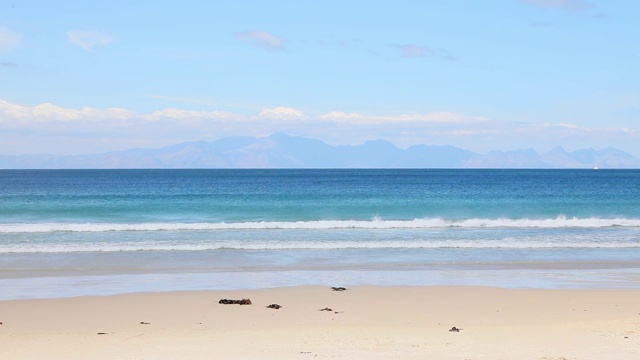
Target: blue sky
[88,77]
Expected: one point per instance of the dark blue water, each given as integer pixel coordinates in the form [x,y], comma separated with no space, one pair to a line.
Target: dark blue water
[137,196]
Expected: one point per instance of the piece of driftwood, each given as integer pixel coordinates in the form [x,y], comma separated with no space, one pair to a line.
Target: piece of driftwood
[274,306]
[455,329]
[238,302]
[326,309]
[334,288]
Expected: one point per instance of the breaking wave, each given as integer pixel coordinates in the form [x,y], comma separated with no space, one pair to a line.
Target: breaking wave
[430,223]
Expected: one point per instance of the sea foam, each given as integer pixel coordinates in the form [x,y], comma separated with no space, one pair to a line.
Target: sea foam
[431,223]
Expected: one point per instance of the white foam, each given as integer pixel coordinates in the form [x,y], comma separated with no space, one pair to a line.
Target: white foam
[376,223]
[67,247]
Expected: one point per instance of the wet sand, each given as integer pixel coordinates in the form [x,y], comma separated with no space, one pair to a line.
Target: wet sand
[363,323]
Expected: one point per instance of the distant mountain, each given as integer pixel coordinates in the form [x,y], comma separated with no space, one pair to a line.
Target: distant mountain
[285,151]
[557,158]
[528,158]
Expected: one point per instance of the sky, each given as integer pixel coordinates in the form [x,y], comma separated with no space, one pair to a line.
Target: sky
[81,77]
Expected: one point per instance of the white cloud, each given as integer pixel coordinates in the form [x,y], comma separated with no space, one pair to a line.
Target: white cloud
[281,112]
[9,39]
[88,40]
[48,112]
[261,39]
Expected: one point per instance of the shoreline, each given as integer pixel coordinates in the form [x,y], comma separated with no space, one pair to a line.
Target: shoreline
[82,284]
[365,322]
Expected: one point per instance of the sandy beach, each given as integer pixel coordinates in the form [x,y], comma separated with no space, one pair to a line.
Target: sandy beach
[362,323]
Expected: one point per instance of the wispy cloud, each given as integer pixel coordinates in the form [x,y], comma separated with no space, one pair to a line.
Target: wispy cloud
[261,39]
[89,40]
[412,51]
[541,24]
[563,4]
[599,16]
[441,117]
[340,116]
[203,101]
[181,114]
[9,39]
[9,64]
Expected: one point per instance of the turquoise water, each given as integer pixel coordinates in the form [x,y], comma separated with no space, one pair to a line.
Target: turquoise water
[79,232]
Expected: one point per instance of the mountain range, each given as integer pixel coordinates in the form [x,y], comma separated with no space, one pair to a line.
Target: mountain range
[285,151]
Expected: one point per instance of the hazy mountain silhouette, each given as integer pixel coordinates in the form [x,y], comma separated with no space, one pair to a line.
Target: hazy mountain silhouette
[284,151]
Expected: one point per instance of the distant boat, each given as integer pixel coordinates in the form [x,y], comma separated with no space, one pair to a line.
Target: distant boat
[595,167]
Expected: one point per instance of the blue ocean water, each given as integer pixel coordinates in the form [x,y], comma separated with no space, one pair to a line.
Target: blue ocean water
[84,232]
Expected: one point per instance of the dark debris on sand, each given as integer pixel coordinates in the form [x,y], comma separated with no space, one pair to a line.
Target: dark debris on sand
[334,288]
[238,302]
[274,306]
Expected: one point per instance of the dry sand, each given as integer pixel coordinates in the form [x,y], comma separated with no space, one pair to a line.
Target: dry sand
[365,323]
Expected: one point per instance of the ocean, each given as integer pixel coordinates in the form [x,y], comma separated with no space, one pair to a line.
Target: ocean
[99,232]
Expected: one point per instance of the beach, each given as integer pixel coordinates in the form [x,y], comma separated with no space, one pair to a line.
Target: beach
[131,264]
[363,322]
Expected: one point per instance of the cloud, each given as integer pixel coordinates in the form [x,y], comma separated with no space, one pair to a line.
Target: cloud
[339,115]
[48,112]
[180,114]
[9,39]
[541,24]
[261,39]
[89,40]
[563,4]
[441,116]
[582,129]
[280,112]
[410,51]
[9,64]
[436,117]
[209,102]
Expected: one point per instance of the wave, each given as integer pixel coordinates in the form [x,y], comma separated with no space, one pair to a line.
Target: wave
[429,223]
[72,247]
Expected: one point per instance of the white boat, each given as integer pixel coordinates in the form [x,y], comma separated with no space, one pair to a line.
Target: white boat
[595,167]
